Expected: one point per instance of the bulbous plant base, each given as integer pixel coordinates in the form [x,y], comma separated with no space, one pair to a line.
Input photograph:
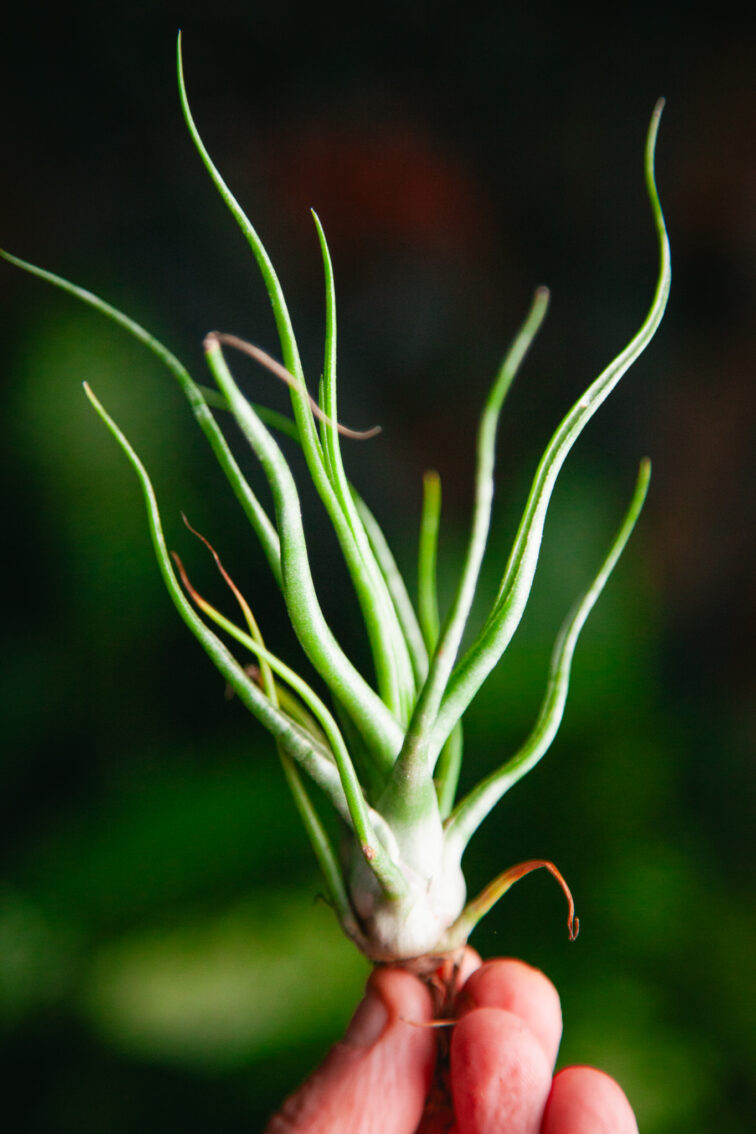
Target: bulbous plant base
[439,932]
[415,925]
[444,971]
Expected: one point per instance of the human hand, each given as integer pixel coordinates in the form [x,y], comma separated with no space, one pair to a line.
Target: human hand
[498,1079]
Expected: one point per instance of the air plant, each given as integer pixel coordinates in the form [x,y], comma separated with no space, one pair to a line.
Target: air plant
[386,754]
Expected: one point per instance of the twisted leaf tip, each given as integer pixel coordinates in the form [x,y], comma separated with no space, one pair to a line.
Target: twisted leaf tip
[288,378]
[480,906]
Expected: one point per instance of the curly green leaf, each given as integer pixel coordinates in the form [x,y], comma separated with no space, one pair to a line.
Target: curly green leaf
[195,395]
[296,743]
[375,722]
[415,748]
[470,813]
[515,587]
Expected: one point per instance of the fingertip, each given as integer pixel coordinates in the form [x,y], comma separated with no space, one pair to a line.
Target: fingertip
[518,988]
[584,1100]
[499,1072]
[406,998]
[378,1077]
[391,995]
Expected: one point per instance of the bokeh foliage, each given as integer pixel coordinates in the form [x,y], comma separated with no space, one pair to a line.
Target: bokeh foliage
[150,973]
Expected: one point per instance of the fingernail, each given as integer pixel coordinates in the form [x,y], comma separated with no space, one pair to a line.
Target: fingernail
[367,1023]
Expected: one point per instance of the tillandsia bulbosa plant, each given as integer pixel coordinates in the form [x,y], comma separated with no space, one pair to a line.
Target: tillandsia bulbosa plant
[386,753]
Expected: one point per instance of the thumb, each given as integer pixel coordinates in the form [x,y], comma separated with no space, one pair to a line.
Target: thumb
[376,1080]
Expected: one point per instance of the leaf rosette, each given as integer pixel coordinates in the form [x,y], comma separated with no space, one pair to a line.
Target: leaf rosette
[386,752]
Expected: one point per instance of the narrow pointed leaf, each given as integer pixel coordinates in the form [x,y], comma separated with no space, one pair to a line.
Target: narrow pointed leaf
[427,588]
[275,292]
[377,725]
[308,437]
[389,682]
[416,743]
[505,616]
[390,654]
[405,613]
[357,810]
[195,395]
[471,812]
[317,765]
[320,842]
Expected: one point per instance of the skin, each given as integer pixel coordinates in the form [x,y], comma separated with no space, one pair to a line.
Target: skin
[497,1078]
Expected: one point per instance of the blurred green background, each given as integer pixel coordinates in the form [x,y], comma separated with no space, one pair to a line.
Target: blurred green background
[164,959]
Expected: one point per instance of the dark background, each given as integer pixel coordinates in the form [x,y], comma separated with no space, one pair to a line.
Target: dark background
[164,961]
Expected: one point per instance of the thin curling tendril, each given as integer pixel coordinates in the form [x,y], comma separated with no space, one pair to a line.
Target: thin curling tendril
[286,376]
